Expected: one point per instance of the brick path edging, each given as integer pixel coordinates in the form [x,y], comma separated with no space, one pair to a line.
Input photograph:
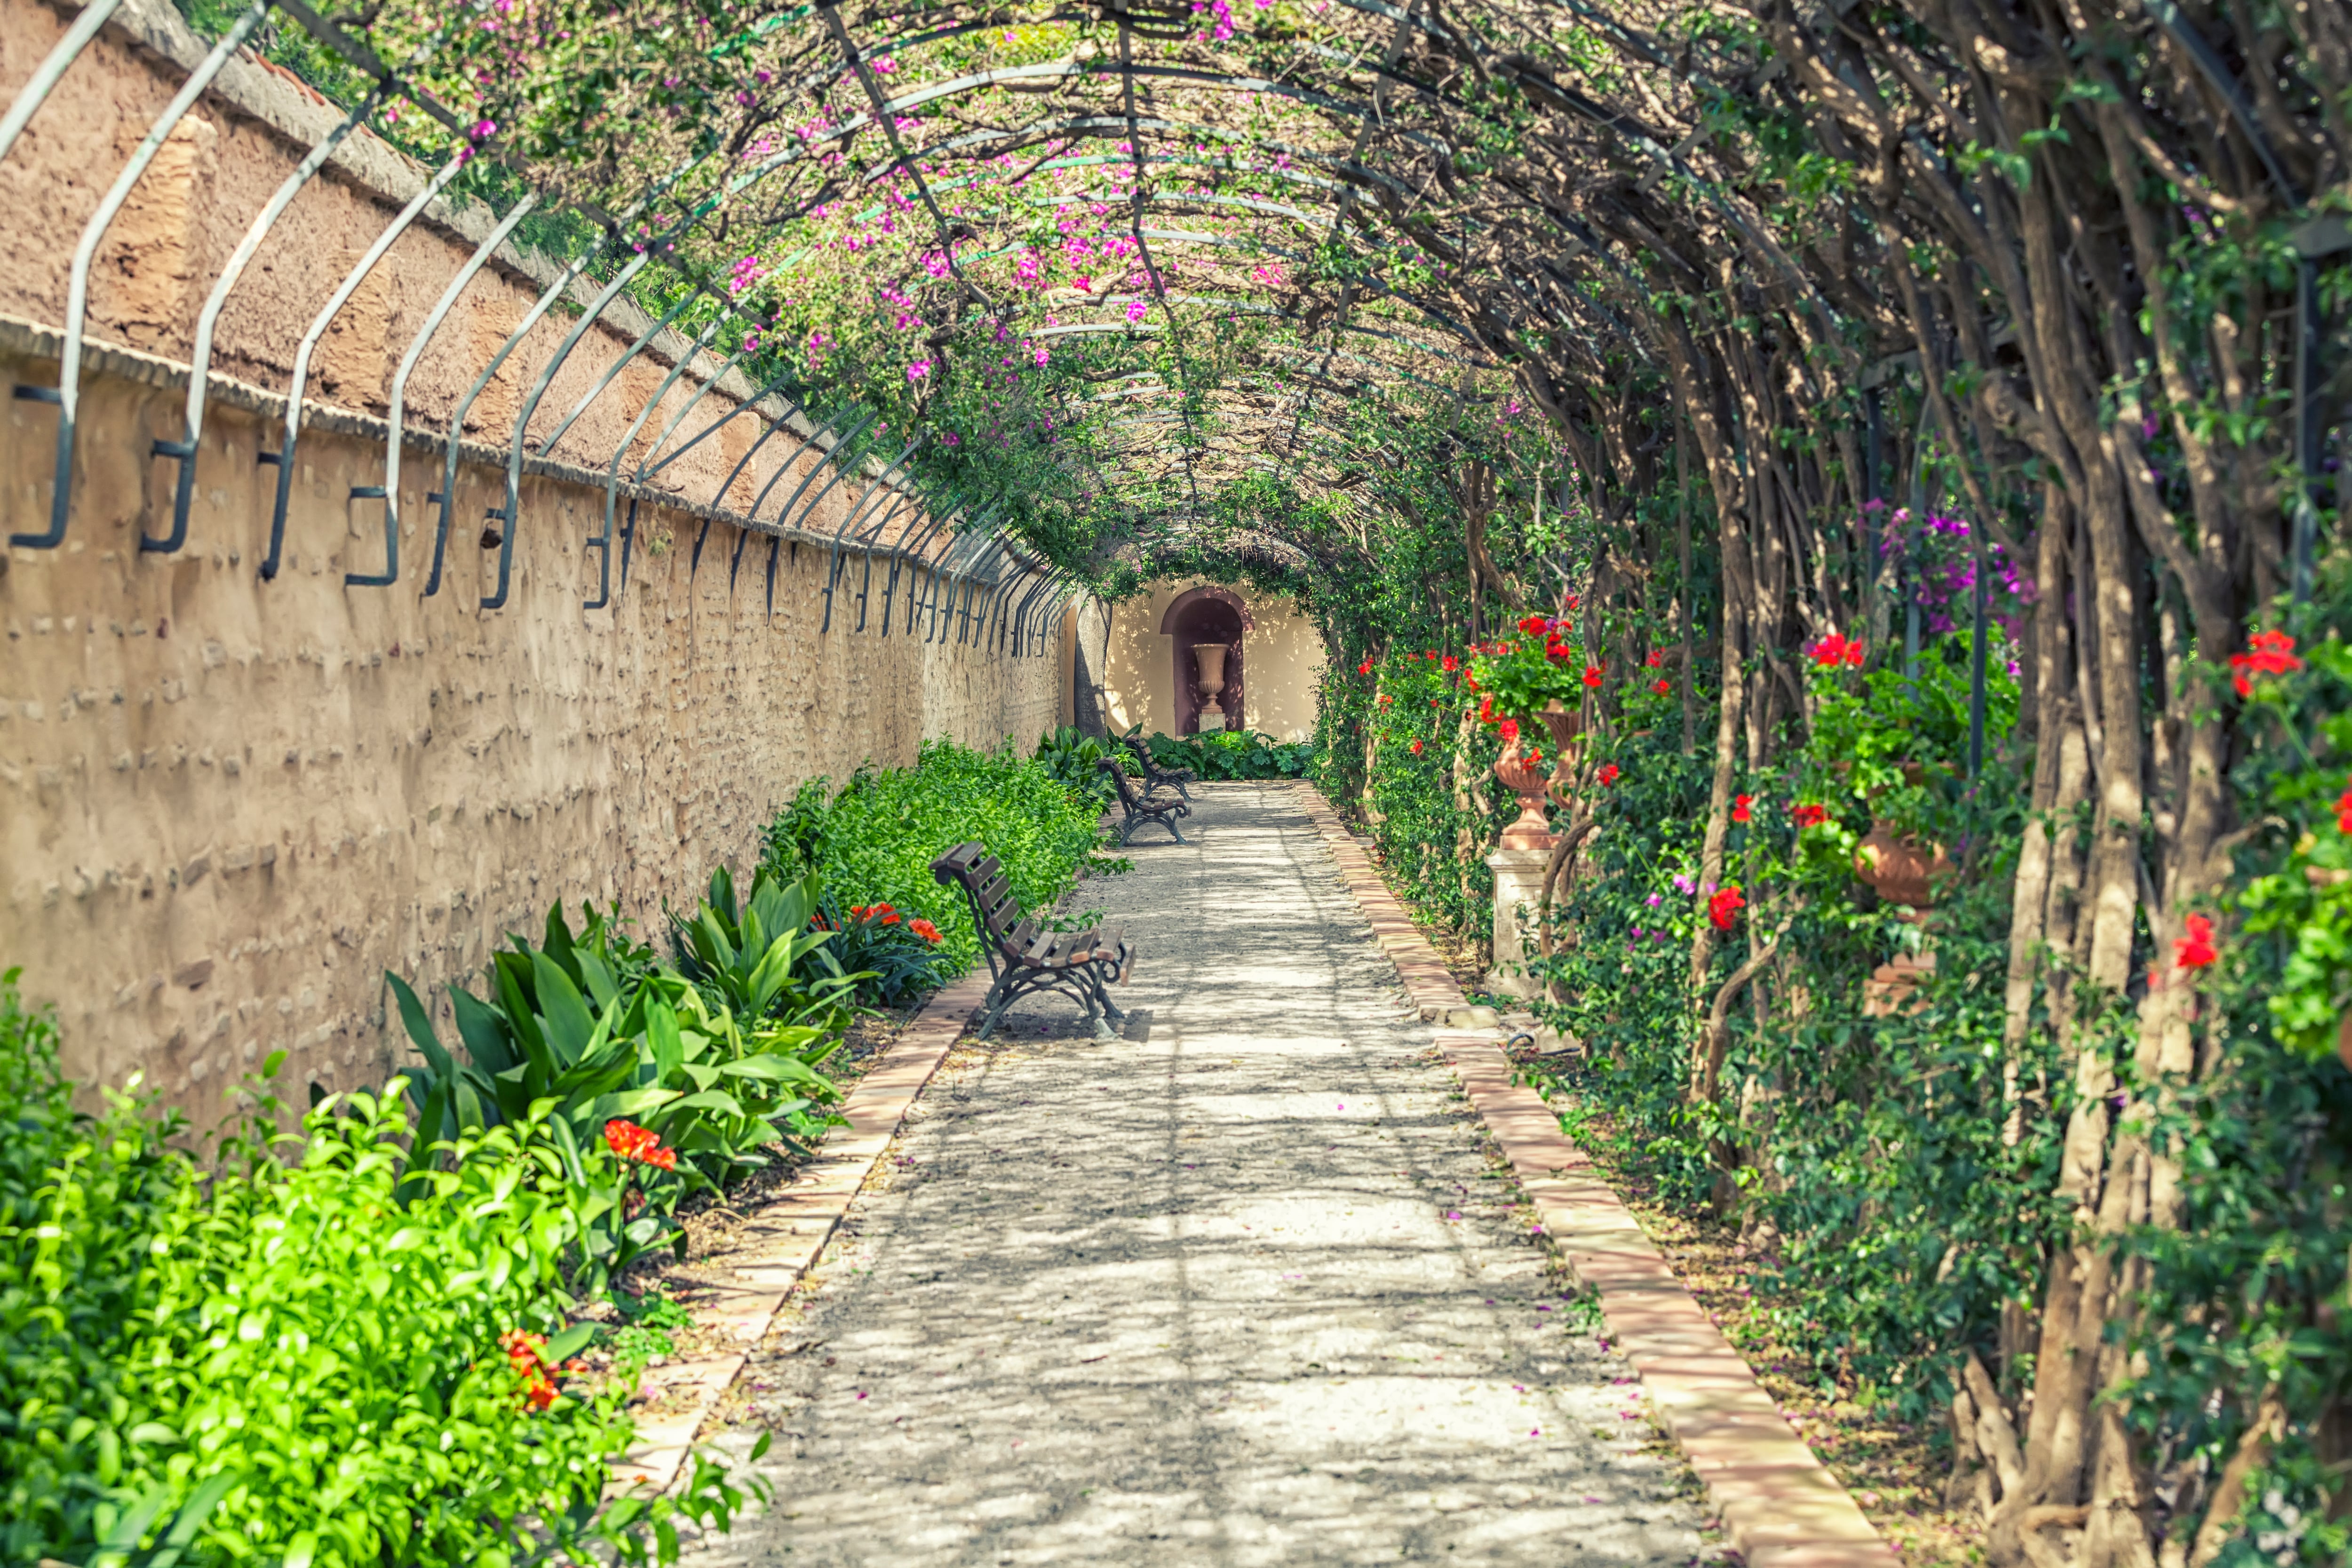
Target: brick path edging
[1778,1503]
[772,1252]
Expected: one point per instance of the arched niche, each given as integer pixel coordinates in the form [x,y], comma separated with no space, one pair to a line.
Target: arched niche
[1207,614]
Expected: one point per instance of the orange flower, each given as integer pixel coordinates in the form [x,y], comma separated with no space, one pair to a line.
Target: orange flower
[925,930]
[640,1144]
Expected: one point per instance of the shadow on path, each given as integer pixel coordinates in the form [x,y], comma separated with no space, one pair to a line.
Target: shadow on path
[1249,1291]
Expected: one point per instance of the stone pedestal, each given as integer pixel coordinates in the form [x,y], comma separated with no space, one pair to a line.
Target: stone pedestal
[1519,882]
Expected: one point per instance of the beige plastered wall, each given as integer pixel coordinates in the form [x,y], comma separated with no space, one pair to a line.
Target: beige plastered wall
[1282,656]
[228,806]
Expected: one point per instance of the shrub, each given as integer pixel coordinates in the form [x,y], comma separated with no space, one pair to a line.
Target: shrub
[80,1198]
[1234,755]
[875,841]
[891,957]
[343,1345]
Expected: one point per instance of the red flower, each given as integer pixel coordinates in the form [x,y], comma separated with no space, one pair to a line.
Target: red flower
[1723,908]
[1451,664]
[1386,700]
[1365,668]
[1558,652]
[1739,808]
[925,930]
[1656,660]
[2270,653]
[1661,686]
[1607,774]
[2196,950]
[1414,748]
[527,1356]
[2344,811]
[1811,815]
[641,1144]
[1509,731]
[1833,650]
[1536,755]
[1593,675]
[1533,625]
[1485,710]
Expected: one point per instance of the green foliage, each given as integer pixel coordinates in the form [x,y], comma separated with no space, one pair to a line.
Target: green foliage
[332,1341]
[81,1197]
[1234,754]
[875,841]
[1536,665]
[1072,756]
[561,1039]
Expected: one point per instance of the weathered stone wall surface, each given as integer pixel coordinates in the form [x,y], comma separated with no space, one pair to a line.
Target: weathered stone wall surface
[228,805]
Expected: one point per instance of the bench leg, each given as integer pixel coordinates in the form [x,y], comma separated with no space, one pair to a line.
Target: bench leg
[999,998]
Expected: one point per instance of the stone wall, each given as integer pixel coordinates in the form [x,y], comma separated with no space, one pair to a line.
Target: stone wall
[228,805]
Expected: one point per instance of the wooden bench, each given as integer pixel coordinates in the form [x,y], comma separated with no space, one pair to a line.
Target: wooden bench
[1024,956]
[1154,775]
[1144,808]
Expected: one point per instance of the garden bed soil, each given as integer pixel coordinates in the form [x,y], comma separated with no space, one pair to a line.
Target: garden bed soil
[1894,1470]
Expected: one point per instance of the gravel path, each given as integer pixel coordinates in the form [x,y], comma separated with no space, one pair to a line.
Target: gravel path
[1248,1291]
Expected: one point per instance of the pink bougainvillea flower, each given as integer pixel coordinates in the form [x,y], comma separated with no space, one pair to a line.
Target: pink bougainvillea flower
[2267,652]
[1723,908]
[2196,950]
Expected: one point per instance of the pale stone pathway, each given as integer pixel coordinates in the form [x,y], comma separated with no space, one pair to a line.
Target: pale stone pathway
[1250,1291]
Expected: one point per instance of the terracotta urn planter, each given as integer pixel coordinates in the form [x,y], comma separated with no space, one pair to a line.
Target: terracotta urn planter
[1566,725]
[1903,869]
[1521,777]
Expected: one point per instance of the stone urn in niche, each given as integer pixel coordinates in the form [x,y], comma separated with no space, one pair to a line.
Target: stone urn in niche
[1210,659]
[1524,779]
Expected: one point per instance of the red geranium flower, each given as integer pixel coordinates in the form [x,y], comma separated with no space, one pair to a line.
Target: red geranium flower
[1661,686]
[1723,908]
[1833,650]
[1509,731]
[925,930]
[1386,700]
[1593,675]
[1532,625]
[1607,774]
[2196,950]
[1414,748]
[1811,815]
[1739,808]
[2344,811]
[1365,668]
[641,1144]
[1485,710]
[1656,660]
[2270,653]
[1450,665]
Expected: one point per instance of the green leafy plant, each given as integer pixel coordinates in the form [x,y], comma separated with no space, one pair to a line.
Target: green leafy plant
[890,957]
[1518,675]
[1074,757]
[1234,754]
[873,843]
[82,1197]
[764,959]
[377,1361]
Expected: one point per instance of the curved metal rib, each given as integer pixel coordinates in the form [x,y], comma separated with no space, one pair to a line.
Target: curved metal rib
[482,253]
[603,542]
[833,574]
[69,393]
[201,360]
[511,513]
[52,70]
